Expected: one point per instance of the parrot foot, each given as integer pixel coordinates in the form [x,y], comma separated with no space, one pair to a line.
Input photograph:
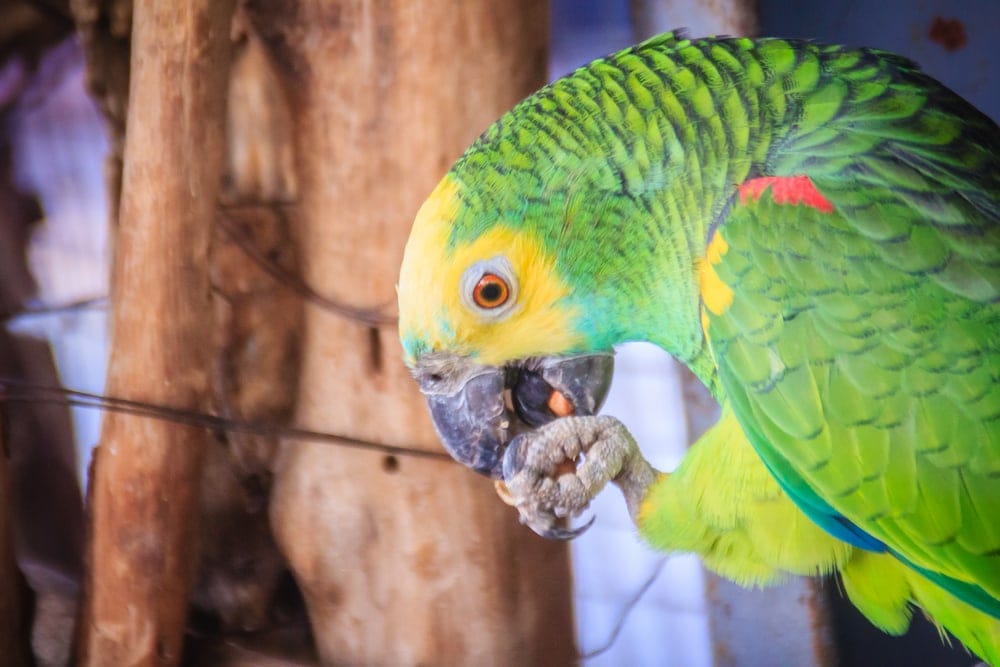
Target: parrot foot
[555,471]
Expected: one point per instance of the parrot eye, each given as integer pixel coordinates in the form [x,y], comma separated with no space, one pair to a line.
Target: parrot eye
[489,288]
[491,291]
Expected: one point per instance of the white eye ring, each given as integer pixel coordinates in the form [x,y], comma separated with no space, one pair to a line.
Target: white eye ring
[489,289]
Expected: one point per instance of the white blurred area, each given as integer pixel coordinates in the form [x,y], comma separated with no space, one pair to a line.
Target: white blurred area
[668,624]
[59,147]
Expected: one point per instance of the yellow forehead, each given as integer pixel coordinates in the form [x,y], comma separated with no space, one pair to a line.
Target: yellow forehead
[432,315]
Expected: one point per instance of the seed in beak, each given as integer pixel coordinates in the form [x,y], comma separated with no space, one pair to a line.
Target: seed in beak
[559,404]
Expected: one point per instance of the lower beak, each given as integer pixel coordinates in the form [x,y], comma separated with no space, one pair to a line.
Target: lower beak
[475,424]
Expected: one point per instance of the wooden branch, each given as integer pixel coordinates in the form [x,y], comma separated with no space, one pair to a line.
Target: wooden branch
[144,495]
[15,647]
[402,561]
[104,28]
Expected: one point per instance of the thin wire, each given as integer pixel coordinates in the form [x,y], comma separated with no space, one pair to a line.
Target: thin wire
[370,316]
[626,611]
[26,392]
[96,302]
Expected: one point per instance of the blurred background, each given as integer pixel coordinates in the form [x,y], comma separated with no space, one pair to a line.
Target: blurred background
[632,606]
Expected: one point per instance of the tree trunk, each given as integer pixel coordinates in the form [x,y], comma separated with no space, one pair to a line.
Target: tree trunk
[402,560]
[144,497]
[15,647]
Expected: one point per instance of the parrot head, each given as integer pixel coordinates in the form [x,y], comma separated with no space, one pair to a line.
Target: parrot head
[560,233]
[490,330]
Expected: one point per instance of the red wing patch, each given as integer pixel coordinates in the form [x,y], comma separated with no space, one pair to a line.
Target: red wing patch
[792,190]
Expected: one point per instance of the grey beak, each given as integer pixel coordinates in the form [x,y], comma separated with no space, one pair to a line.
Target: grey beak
[469,411]
[473,422]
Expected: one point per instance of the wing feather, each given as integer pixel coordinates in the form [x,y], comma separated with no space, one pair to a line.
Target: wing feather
[870,388]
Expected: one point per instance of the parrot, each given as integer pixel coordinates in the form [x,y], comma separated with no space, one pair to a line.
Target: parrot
[814,231]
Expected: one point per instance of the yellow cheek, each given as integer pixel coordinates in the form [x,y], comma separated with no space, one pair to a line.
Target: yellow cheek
[430,304]
[541,321]
[420,271]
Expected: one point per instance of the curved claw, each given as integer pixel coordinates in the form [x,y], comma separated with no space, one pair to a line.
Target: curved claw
[540,521]
[537,487]
[556,470]
[564,534]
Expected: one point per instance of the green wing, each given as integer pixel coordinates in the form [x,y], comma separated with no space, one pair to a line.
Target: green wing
[867,373]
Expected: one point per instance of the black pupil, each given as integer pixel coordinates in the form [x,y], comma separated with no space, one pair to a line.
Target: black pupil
[490,292]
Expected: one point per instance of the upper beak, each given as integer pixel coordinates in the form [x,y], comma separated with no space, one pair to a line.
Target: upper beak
[471,413]
[473,422]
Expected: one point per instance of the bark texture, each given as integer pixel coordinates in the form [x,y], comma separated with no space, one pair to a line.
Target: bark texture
[14,644]
[145,488]
[402,561]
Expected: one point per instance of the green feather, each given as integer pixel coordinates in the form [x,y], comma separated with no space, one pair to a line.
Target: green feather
[799,423]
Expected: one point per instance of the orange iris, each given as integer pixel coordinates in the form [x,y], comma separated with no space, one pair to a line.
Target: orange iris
[491,291]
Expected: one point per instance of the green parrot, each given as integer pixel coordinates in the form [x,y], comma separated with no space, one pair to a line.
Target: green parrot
[815,232]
